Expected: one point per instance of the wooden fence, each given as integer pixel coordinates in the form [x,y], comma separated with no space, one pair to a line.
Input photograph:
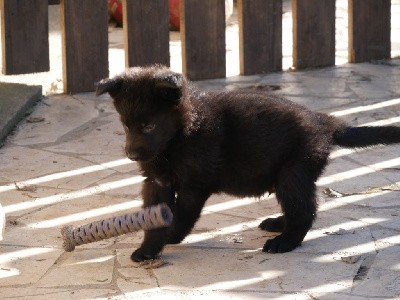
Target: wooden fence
[25,30]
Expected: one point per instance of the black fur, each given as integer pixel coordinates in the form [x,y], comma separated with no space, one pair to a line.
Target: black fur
[191,144]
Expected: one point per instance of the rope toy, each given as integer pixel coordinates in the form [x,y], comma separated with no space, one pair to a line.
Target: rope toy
[147,218]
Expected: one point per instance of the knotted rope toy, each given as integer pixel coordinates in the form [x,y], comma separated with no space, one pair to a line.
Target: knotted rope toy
[148,218]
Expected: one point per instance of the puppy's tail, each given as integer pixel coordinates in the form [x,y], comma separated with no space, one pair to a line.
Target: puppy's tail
[364,136]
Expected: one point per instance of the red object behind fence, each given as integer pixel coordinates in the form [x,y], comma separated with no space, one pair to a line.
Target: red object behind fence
[174,14]
[115,10]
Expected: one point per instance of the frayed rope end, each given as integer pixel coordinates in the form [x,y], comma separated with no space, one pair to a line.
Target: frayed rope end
[68,241]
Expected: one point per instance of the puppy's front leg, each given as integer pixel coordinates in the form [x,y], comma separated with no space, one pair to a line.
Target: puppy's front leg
[154,192]
[189,204]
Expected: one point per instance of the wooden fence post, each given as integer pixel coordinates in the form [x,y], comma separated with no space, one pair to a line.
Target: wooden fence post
[369,30]
[85,43]
[25,36]
[260,36]
[146,30]
[313,33]
[203,38]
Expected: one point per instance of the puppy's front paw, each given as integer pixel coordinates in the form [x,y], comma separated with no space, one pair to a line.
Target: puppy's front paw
[139,255]
[280,244]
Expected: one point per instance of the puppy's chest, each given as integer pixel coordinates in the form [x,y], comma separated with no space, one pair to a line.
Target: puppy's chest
[177,172]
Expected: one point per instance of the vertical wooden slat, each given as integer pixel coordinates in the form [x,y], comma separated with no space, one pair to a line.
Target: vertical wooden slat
[85,43]
[203,38]
[313,33]
[25,36]
[260,36]
[369,30]
[146,30]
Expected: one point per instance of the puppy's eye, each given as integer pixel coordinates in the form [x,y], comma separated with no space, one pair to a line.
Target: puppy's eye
[147,128]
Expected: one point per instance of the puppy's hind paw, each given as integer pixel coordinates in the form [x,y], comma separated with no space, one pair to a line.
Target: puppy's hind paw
[280,244]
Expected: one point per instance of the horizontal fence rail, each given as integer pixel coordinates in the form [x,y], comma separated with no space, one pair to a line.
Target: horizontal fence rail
[84,24]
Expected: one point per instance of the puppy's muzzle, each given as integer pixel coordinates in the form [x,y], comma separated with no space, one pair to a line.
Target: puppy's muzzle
[138,154]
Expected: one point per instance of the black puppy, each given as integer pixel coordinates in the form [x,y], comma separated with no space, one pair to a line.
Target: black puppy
[191,144]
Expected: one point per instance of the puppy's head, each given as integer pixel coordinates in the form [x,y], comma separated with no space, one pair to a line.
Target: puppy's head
[151,105]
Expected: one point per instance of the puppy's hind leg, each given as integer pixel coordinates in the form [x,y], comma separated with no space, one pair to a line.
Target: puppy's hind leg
[296,194]
[273,224]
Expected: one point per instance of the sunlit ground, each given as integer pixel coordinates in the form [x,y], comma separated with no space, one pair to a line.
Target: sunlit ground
[224,231]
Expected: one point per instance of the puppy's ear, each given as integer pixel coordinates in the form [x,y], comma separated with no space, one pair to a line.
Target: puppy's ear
[170,88]
[109,85]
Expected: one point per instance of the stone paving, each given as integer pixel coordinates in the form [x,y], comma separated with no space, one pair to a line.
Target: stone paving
[65,165]
[16,100]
